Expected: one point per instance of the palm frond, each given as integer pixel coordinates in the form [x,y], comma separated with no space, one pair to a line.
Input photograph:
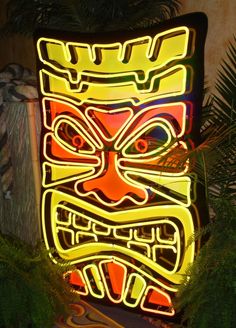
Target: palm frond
[213,272]
[24,16]
[221,171]
[33,291]
[216,153]
[212,275]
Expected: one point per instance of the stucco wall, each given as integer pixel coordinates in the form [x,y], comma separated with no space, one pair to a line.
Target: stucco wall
[221,28]
[222,25]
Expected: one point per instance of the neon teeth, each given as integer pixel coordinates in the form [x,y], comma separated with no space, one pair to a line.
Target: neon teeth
[80,229]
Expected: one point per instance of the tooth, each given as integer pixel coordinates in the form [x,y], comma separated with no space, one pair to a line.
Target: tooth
[139,247]
[135,288]
[66,237]
[126,234]
[70,216]
[93,281]
[170,239]
[144,236]
[100,229]
[80,222]
[157,249]
[62,217]
[114,276]
[76,279]
[85,237]
[157,301]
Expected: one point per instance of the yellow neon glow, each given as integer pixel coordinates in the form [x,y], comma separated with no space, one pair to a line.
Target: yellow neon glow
[119,144]
[155,158]
[99,100]
[145,239]
[174,44]
[179,185]
[78,129]
[145,247]
[137,285]
[169,312]
[64,173]
[86,291]
[99,292]
[49,137]
[121,296]
[76,111]
[82,252]
[171,83]
[154,123]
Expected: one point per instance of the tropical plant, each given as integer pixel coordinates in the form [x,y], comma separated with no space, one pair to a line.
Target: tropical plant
[24,16]
[32,290]
[208,296]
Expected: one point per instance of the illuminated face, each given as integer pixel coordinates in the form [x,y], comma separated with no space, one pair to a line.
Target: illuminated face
[117,202]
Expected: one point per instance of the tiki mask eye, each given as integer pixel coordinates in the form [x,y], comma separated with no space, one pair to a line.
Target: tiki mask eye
[149,141]
[78,141]
[71,136]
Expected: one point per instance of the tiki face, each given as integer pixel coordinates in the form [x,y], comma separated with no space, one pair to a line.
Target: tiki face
[116,200]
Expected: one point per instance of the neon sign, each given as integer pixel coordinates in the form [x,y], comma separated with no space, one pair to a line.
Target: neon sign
[115,201]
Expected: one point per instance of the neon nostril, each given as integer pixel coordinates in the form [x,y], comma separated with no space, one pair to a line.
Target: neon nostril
[78,141]
[141,145]
[112,184]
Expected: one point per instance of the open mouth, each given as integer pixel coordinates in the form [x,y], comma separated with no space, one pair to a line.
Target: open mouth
[136,257]
[157,240]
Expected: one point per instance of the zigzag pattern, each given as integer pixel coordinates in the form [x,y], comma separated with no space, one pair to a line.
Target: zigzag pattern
[142,67]
[134,57]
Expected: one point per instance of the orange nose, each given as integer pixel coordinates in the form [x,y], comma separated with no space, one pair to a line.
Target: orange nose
[112,184]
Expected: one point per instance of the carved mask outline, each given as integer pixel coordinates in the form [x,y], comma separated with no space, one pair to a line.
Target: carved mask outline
[116,202]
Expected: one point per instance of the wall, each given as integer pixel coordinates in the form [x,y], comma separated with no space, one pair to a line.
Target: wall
[221,27]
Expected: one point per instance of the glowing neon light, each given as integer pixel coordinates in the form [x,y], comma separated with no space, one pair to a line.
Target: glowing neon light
[117,277]
[116,202]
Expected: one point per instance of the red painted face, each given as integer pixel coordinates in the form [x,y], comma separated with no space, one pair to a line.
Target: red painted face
[119,196]
[118,141]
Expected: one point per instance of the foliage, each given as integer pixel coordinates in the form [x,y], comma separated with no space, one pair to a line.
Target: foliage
[33,292]
[219,131]
[24,16]
[208,297]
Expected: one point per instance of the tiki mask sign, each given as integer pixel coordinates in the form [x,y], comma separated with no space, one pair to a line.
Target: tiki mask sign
[120,200]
